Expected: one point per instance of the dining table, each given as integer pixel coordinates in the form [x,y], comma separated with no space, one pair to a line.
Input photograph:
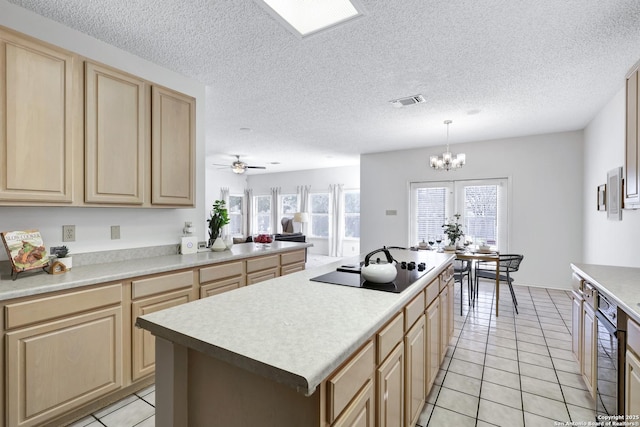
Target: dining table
[492,256]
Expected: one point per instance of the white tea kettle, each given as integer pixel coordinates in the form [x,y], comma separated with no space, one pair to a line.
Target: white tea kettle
[379,271]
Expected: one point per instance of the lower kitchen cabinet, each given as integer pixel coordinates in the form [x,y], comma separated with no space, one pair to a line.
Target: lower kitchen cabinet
[69,352]
[292,262]
[150,295]
[632,369]
[263,268]
[360,413]
[415,371]
[576,325]
[221,278]
[588,348]
[444,323]
[390,393]
[432,351]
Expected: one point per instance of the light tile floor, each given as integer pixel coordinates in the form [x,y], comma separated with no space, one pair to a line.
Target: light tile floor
[511,370]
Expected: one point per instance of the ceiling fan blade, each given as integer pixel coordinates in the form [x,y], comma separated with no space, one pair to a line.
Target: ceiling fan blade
[256,167]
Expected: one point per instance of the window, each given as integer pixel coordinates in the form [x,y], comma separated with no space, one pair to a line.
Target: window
[235,215]
[288,205]
[482,205]
[352,214]
[319,215]
[263,214]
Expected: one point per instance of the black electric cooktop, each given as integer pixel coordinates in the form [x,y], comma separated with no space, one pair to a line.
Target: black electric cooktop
[350,276]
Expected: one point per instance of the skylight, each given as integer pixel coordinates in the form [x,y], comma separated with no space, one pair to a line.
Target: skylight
[310,16]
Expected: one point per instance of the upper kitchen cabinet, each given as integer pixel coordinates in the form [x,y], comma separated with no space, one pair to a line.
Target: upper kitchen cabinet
[40,119]
[116,114]
[632,146]
[172,148]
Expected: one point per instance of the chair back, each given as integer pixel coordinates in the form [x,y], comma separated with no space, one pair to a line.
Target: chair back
[510,262]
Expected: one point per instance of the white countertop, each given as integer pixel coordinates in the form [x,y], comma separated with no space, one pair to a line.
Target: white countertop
[39,282]
[622,284]
[290,330]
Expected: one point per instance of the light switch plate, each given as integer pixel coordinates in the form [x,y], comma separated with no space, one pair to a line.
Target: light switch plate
[115,232]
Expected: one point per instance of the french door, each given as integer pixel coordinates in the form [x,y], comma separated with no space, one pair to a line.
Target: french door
[482,205]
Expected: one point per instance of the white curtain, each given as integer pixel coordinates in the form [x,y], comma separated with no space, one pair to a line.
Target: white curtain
[248,197]
[336,220]
[224,195]
[303,200]
[275,208]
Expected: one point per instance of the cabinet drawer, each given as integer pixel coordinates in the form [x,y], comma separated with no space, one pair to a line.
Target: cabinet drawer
[432,291]
[261,276]
[414,310]
[292,257]
[389,336]
[633,336]
[291,268]
[221,286]
[343,386]
[590,295]
[263,263]
[159,284]
[222,271]
[48,308]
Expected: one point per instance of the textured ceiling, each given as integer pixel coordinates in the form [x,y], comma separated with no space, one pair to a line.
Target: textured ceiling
[497,68]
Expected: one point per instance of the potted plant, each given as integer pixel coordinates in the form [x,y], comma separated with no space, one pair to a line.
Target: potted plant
[219,218]
[453,230]
[62,255]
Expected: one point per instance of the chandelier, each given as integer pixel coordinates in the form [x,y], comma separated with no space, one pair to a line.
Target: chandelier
[447,161]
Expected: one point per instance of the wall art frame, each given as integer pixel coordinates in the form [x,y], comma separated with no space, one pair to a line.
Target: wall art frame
[614,194]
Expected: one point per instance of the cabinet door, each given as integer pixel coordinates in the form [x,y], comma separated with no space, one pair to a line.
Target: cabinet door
[115,136]
[631,170]
[59,366]
[576,325]
[444,324]
[588,350]
[39,112]
[360,413]
[390,385]
[291,268]
[432,359]
[632,384]
[172,148]
[143,343]
[450,323]
[415,372]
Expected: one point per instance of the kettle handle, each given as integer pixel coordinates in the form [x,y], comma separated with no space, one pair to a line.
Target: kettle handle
[386,252]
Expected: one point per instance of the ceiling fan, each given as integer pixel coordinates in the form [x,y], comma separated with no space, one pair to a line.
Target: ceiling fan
[240,167]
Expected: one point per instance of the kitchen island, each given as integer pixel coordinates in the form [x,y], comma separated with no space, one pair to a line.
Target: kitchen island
[292,351]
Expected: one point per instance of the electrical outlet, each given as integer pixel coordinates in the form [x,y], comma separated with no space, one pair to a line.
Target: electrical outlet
[115,232]
[68,233]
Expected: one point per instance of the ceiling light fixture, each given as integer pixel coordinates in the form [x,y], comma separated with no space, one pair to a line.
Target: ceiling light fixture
[307,17]
[447,161]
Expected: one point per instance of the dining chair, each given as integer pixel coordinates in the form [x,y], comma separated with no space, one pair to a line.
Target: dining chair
[462,268]
[509,263]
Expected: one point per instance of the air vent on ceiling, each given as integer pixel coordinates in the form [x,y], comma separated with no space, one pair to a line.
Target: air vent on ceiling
[410,100]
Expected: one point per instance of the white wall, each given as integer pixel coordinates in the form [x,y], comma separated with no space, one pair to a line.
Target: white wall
[607,242]
[545,203]
[319,180]
[138,227]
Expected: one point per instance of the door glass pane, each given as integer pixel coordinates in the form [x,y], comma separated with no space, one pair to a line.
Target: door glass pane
[431,211]
[481,213]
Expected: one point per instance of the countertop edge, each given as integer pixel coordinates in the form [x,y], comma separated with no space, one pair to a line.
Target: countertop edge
[631,312]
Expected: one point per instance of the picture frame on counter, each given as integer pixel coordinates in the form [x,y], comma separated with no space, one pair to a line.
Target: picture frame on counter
[602,194]
[614,194]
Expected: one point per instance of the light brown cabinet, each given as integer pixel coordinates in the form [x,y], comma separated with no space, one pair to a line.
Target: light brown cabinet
[588,348]
[173,117]
[221,278]
[415,371]
[263,268]
[433,342]
[632,369]
[632,142]
[150,295]
[62,352]
[292,262]
[390,389]
[360,412]
[576,325]
[116,143]
[40,99]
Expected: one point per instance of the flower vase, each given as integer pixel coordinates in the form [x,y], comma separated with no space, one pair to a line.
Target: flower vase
[218,245]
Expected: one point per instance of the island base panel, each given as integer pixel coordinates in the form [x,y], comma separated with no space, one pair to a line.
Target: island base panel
[197,390]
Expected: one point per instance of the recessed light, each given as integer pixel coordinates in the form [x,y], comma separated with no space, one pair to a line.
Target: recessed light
[310,16]
[274,163]
[245,129]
